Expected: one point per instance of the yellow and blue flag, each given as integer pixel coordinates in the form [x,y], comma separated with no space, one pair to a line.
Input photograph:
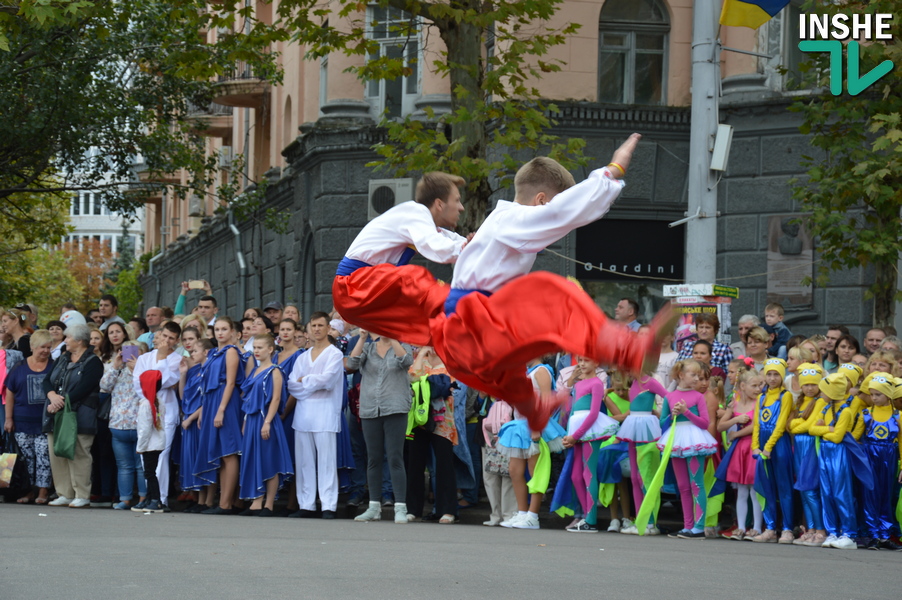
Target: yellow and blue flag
[750,13]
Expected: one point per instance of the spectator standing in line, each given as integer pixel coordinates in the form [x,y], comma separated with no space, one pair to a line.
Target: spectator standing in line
[95,317]
[273,312]
[745,324]
[834,332]
[706,327]
[208,309]
[316,383]
[109,309]
[872,340]
[627,312]
[153,317]
[14,323]
[773,316]
[165,360]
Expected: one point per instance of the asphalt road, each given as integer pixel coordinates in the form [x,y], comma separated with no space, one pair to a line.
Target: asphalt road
[95,554]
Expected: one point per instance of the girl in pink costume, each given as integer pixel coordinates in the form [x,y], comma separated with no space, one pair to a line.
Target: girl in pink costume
[737,421]
[586,429]
[641,426]
[685,409]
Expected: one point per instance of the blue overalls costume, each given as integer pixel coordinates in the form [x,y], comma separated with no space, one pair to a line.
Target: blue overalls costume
[778,468]
[835,472]
[880,444]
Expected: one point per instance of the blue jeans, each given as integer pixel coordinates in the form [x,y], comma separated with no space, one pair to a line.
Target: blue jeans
[471,495]
[128,463]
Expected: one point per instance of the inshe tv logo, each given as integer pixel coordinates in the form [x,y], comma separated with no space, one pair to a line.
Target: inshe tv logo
[821,33]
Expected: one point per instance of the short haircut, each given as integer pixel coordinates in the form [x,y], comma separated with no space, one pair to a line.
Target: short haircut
[436,185]
[319,315]
[891,339]
[753,319]
[266,322]
[79,332]
[542,174]
[633,304]
[142,323]
[709,318]
[795,341]
[209,299]
[111,299]
[173,327]
[775,307]
[705,343]
[69,306]
[758,333]
[39,338]
[168,313]
[840,328]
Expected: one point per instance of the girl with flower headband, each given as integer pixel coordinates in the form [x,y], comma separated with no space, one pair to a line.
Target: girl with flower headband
[773,477]
[881,435]
[805,453]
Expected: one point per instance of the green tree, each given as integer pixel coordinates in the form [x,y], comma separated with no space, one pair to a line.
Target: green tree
[493,55]
[854,191]
[91,87]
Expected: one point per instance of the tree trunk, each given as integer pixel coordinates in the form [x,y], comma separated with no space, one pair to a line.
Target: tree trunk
[465,45]
[885,294]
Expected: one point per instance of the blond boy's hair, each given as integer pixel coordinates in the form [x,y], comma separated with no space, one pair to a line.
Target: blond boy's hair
[776,307]
[542,174]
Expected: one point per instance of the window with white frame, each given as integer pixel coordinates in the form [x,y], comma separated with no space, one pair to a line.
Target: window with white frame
[632,52]
[779,39]
[389,26]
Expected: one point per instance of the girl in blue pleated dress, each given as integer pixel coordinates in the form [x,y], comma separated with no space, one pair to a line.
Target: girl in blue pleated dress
[285,359]
[265,457]
[521,446]
[220,427]
[190,391]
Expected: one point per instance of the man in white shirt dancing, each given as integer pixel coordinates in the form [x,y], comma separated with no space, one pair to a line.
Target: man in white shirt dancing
[376,289]
[498,316]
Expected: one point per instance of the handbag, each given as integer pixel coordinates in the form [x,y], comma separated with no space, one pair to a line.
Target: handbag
[65,432]
[13,471]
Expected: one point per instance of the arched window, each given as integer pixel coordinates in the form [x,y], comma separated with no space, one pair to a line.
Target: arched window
[632,52]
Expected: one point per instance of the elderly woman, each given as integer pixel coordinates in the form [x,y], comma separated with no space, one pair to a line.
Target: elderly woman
[706,327]
[57,331]
[24,401]
[117,381]
[384,404]
[77,375]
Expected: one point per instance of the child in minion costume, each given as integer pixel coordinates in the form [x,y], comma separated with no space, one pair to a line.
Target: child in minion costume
[838,457]
[805,454]
[880,436]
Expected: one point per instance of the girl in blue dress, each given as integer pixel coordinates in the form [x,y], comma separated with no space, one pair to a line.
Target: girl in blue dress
[220,427]
[265,456]
[285,359]
[521,446]
[190,391]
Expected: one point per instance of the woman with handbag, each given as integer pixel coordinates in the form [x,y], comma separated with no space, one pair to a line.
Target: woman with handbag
[23,415]
[72,387]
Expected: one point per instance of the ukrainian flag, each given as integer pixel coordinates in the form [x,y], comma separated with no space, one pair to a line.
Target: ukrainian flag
[750,13]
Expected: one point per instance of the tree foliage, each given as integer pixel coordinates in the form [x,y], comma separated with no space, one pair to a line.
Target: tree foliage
[89,261]
[39,276]
[493,55]
[89,87]
[854,193]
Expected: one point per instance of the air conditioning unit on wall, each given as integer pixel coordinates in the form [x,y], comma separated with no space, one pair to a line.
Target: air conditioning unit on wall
[386,193]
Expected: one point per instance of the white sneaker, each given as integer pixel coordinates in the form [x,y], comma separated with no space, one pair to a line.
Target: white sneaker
[631,530]
[374,513]
[491,523]
[828,543]
[526,522]
[652,530]
[61,501]
[401,512]
[80,503]
[510,522]
[614,527]
[626,524]
[845,543]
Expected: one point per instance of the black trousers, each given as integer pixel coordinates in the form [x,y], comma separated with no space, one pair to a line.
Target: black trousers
[151,458]
[418,456]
